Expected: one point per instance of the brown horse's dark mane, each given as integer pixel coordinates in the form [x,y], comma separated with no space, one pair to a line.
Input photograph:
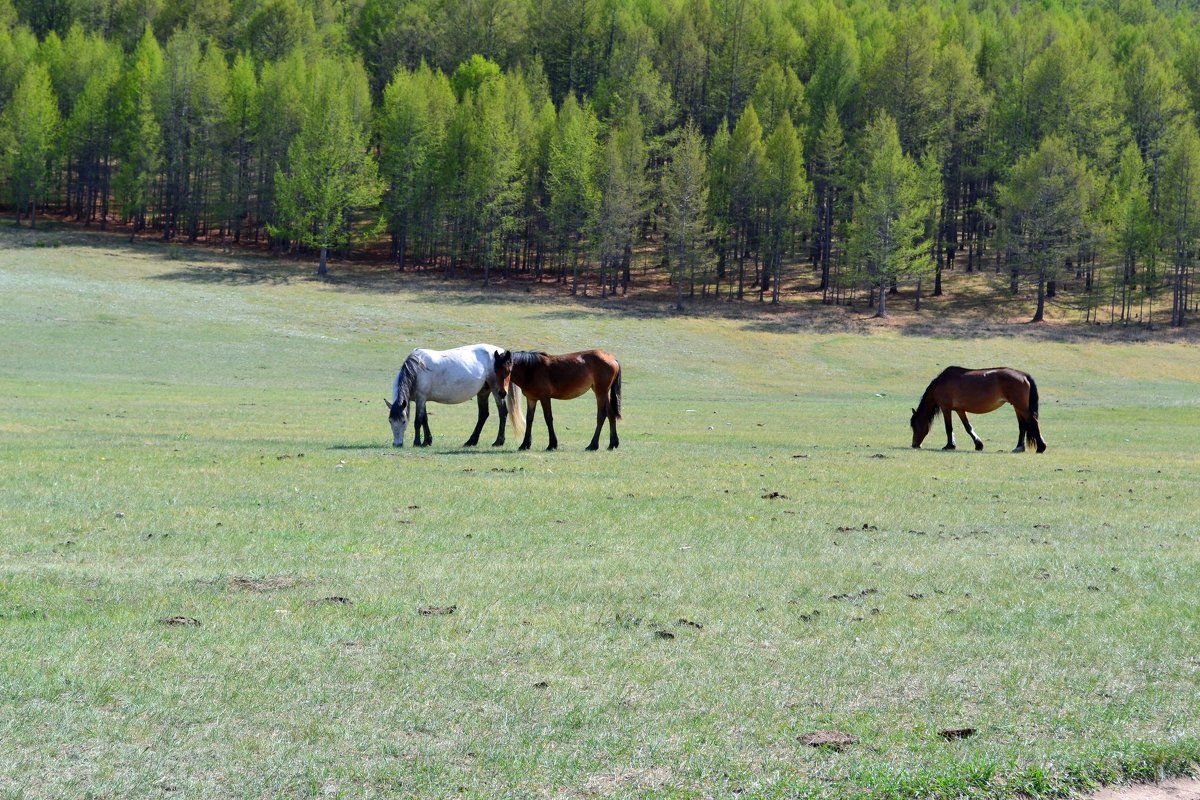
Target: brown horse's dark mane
[927,410]
[523,358]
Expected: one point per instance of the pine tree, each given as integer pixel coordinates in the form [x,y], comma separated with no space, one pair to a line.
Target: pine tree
[30,128]
[747,158]
[785,195]
[571,178]
[890,211]
[685,199]
[138,137]
[623,199]
[1179,192]
[1046,205]
[1130,223]
[330,172]
[830,183]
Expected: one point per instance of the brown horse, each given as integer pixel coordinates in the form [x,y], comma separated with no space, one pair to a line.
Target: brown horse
[979,391]
[543,377]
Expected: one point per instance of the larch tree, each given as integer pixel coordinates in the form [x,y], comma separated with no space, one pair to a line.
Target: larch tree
[1130,225]
[30,128]
[890,210]
[139,137]
[571,180]
[623,192]
[1179,201]
[684,195]
[746,162]
[785,195]
[330,171]
[1046,207]
[828,167]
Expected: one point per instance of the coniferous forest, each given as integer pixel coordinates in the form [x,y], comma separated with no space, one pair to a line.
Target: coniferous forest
[733,150]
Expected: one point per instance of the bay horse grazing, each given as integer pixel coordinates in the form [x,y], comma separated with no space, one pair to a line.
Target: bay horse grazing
[449,376]
[979,391]
[544,377]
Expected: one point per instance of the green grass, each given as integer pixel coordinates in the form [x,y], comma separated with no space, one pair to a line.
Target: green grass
[173,424]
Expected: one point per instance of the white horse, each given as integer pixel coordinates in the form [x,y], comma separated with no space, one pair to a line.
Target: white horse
[451,376]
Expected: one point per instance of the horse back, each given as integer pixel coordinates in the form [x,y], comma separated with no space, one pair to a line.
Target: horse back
[567,376]
[981,390]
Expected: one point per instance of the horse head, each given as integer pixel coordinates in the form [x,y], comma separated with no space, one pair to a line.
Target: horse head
[398,418]
[920,427]
[502,363]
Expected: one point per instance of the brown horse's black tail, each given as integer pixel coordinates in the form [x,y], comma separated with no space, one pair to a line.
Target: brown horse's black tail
[1032,429]
[614,394]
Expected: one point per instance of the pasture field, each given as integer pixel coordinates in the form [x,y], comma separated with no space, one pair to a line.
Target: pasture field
[186,435]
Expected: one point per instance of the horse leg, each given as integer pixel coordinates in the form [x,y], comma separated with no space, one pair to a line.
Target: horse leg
[549,415]
[601,413]
[423,425]
[613,441]
[530,412]
[962,415]
[1032,427]
[418,418]
[503,414]
[482,399]
[949,430]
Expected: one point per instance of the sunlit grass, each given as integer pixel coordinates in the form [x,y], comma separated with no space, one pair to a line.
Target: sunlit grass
[171,425]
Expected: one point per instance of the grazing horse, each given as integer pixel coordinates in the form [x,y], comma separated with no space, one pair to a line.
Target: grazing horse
[979,391]
[543,377]
[449,376]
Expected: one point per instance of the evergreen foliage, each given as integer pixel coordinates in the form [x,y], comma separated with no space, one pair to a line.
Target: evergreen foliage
[524,138]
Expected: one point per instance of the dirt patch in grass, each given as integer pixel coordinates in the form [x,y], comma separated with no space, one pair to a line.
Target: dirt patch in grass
[625,780]
[267,583]
[1177,789]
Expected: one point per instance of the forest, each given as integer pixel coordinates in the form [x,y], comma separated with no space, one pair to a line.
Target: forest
[734,150]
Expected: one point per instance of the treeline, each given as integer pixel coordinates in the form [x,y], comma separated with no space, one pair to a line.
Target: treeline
[742,149]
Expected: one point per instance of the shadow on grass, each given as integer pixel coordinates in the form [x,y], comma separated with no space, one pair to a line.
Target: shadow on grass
[974,312]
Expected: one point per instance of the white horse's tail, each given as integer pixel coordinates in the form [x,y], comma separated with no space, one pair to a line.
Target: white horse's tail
[515,414]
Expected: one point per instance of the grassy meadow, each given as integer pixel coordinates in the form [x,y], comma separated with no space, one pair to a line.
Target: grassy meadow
[192,435]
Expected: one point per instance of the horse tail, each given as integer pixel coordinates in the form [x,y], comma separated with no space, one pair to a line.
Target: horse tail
[514,409]
[614,394]
[1031,430]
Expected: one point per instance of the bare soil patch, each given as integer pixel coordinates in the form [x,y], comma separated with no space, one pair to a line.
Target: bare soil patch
[1175,789]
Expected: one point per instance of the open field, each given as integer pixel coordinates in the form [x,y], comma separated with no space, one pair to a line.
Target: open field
[203,438]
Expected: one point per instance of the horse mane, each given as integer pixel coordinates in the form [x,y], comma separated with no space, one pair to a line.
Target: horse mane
[927,410]
[402,389]
[525,358]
